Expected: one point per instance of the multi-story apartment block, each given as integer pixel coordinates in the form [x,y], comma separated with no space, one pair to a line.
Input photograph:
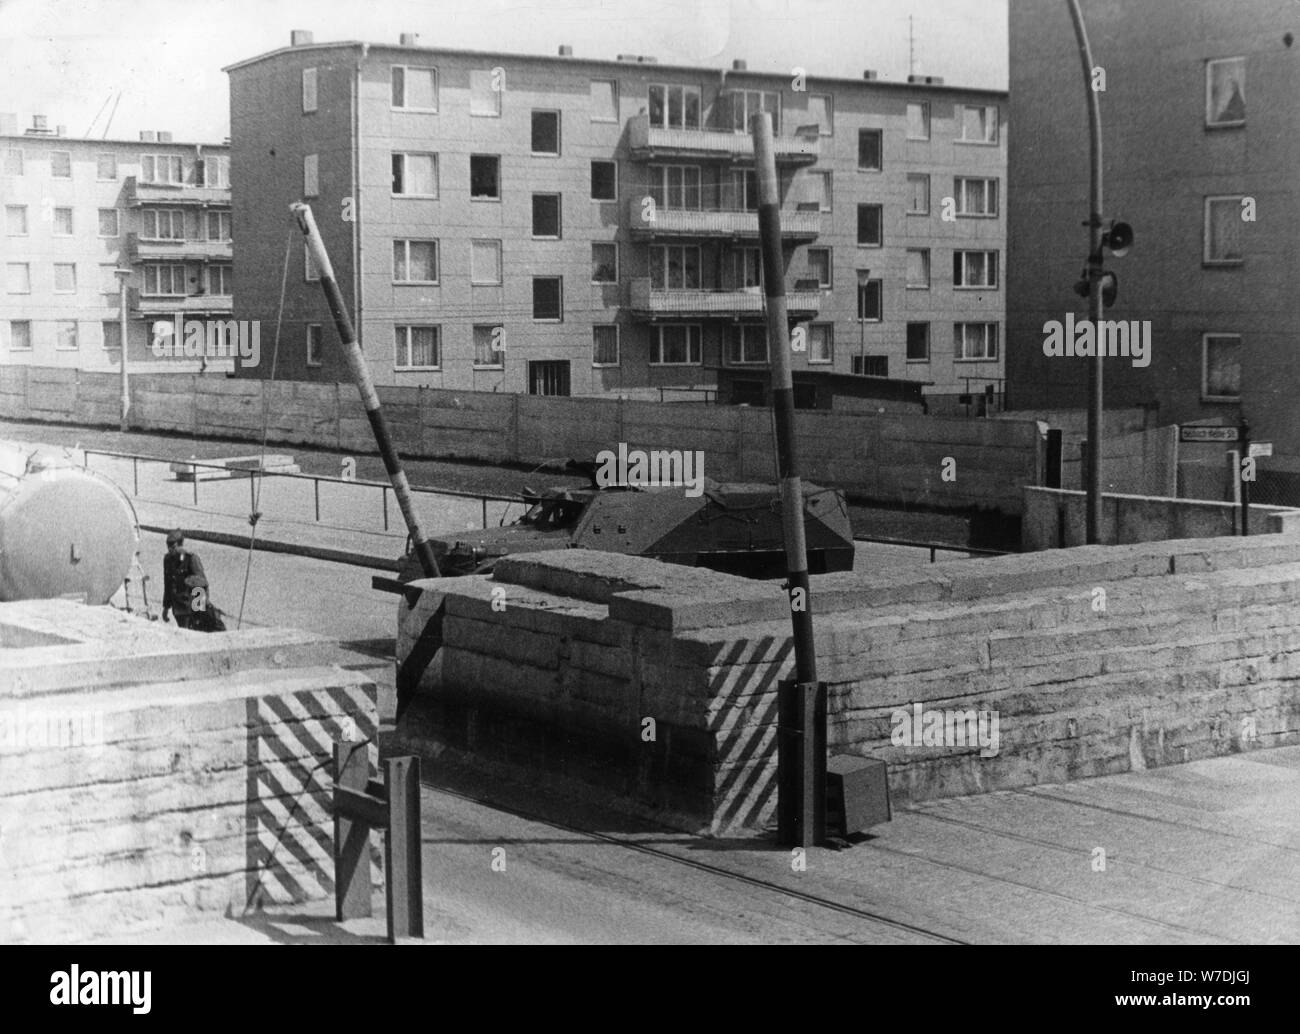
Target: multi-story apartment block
[76,210]
[1201,140]
[556,225]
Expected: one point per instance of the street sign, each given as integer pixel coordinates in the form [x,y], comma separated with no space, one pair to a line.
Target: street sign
[1208,434]
[1261,448]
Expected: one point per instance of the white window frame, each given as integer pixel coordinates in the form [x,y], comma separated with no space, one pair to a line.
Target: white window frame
[741,125]
[829,328]
[99,159]
[829,128]
[408,328]
[156,162]
[742,333]
[65,290]
[1206,259]
[605,200]
[310,87]
[117,223]
[558,235]
[829,282]
[404,155]
[880,296]
[532,307]
[880,224]
[173,270]
[744,261]
[475,276]
[880,149]
[1209,78]
[925,118]
[311,175]
[961,123]
[659,256]
[618,345]
[617,257]
[693,331]
[498,356]
[214,274]
[685,91]
[660,172]
[54,222]
[827,179]
[27,228]
[559,127]
[473,95]
[175,217]
[604,118]
[929,273]
[59,327]
[103,337]
[959,192]
[405,70]
[315,336]
[54,165]
[20,348]
[991,334]
[215,171]
[437,261]
[487,198]
[929,343]
[1205,368]
[991,264]
[224,221]
[912,177]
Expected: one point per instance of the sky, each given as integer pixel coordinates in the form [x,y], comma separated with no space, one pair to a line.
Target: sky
[70,59]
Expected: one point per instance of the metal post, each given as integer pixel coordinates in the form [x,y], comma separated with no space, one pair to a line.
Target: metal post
[135,475]
[484,502]
[1092,479]
[194,473]
[351,837]
[315,488]
[404,885]
[383,491]
[122,275]
[805,829]
[365,386]
[1245,485]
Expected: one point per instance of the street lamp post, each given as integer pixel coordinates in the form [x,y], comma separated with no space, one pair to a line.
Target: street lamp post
[122,276]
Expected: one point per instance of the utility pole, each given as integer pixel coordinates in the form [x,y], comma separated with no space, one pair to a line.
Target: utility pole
[122,276]
[801,705]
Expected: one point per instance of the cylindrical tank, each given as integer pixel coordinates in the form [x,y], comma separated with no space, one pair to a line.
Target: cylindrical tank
[63,530]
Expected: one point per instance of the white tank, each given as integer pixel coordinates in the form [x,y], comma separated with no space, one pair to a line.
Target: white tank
[63,530]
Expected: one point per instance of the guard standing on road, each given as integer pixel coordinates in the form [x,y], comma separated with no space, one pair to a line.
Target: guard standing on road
[184,583]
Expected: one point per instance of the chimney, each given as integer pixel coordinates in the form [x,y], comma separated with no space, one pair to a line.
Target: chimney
[926,80]
[39,124]
[410,39]
[566,50]
[739,65]
[60,130]
[871,75]
[638,59]
[8,123]
[299,38]
[164,136]
[149,136]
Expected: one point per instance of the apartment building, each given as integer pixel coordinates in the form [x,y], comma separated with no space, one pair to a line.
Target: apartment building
[1201,138]
[556,225]
[76,210]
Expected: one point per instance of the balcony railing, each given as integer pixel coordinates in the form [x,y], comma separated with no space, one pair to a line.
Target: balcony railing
[647,141]
[168,305]
[141,249]
[655,303]
[647,220]
[139,192]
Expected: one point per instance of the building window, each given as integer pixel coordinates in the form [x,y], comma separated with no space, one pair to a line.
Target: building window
[221,280]
[747,103]
[979,124]
[677,344]
[308,90]
[163,224]
[418,347]
[484,94]
[674,267]
[13,162]
[741,191]
[869,234]
[65,278]
[109,222]
[974,269]
[489,345]
[604,345]
[819,267]
[977,197]
[106,166]
[1223,231]
[309,270]
[111,332]
[747,267]
[213,172]
[62,223]
[869,150]
[1225,92]
[870,365]
[485,177]
[415,262]
[821,110]
[918,120]
[18,278]
[975,340]
[65,335]
[546,132]
[546,216]
[918,268]
[315,338]
[415,89]
[1221,367]
[164,279]
[918,193]
[61,164]
[20,335]
[161,168]
[548,298]
[918,342]
[604,100]
[819,189]
[16,220]
[218,226]
[674,186]
[674,107]
[415,175]
[485,262]
[821,342]
[604,263]
[869,302]
[604,181]
[747,343]
[310,175]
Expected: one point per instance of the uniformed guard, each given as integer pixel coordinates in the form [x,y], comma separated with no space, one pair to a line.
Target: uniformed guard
[184,583]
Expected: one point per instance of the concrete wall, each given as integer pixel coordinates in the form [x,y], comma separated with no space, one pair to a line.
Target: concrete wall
[896,458]
[1140,463]
[148,773]
[1129,518]
[1193,651]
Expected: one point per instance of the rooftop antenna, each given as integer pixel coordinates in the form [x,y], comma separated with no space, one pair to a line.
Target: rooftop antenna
[116,101]
[108,97]
[911,49]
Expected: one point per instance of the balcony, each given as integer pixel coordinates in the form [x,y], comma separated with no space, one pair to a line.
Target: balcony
[727,303]
[145,249]
[647,142]
[139,192]
[146,305]
[796,225]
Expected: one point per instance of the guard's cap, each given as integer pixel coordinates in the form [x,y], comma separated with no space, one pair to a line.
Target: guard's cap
[174,537]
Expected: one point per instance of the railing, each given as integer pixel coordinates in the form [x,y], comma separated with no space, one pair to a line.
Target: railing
[171,304]
[933,547]
[140,192]
[649,301]
[650,220]
[139,248]
[646,140]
